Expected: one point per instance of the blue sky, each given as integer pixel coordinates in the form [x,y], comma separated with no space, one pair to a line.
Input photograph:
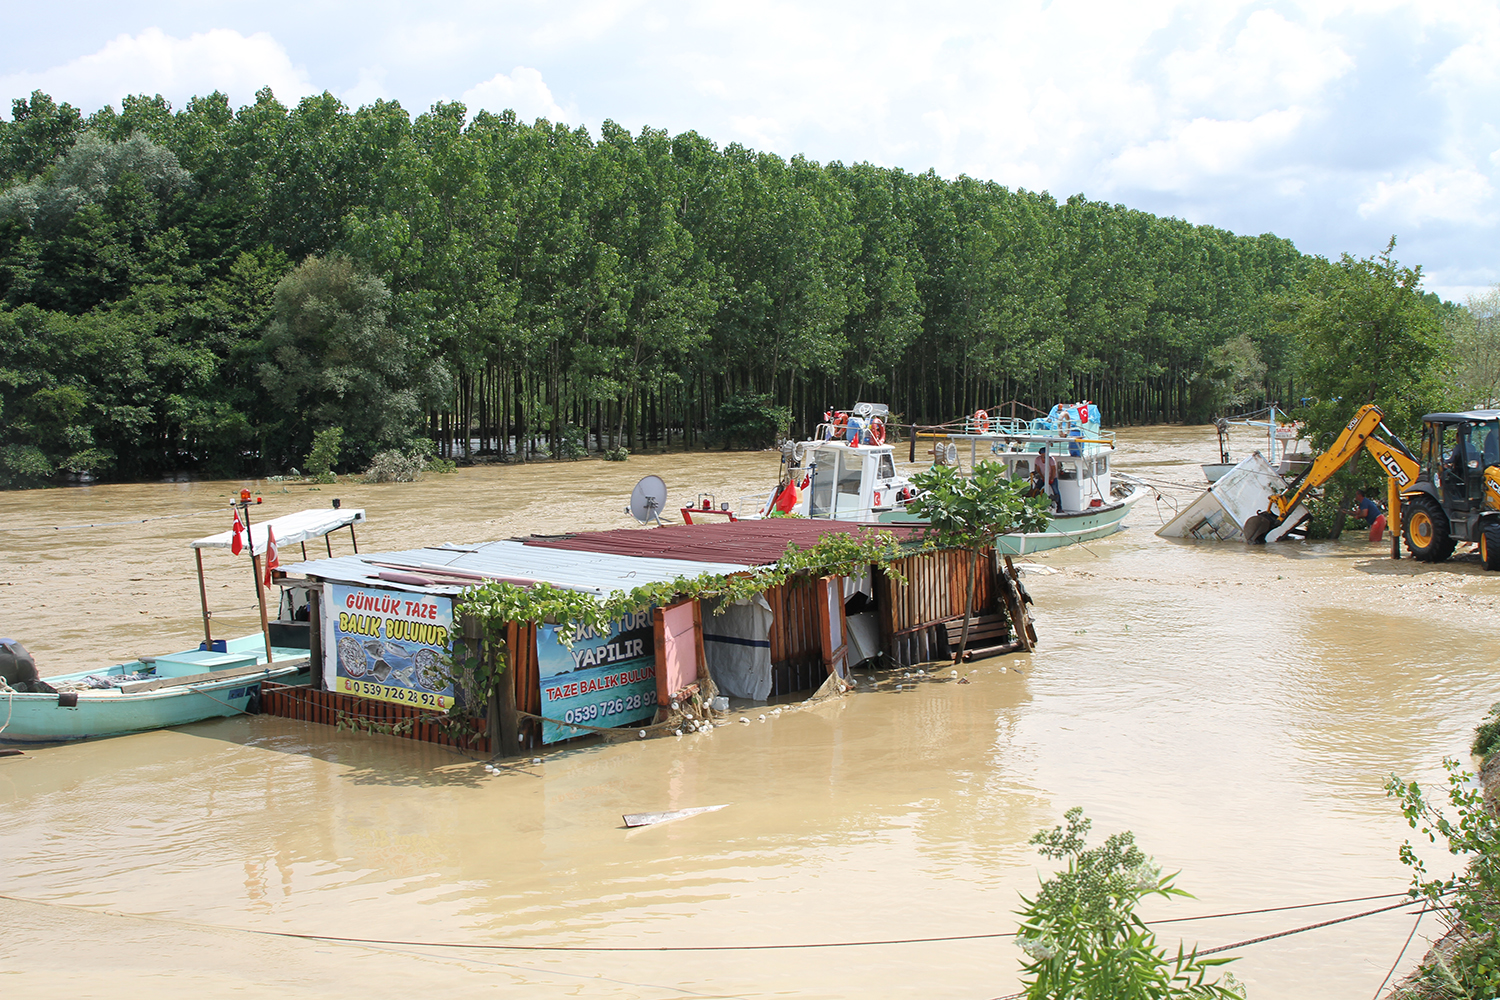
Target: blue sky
[1335,125]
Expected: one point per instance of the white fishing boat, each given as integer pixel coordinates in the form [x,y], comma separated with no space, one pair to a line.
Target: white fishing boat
[1280,448]
[219,678]
[847,471]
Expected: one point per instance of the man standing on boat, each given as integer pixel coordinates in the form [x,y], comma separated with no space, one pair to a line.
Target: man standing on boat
[1044,477]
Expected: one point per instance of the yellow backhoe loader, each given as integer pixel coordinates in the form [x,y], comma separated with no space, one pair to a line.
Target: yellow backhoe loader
[1450,494]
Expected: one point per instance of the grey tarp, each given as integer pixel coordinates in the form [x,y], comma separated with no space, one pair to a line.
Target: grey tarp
[737,645]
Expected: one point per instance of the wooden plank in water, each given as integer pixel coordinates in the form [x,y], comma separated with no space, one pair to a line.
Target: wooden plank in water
[651,819]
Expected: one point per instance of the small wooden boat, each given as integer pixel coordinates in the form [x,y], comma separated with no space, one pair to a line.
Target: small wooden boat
[219,678]
[149,693]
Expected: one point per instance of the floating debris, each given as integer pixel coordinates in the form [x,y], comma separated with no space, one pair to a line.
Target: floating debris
[651,819]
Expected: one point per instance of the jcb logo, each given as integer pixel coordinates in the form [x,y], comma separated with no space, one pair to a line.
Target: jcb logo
[1394,469]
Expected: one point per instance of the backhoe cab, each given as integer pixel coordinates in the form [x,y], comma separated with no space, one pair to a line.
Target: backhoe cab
[1450,494]
[1457,496]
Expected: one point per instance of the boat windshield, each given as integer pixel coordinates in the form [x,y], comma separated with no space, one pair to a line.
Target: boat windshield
[851,471]
[887,466]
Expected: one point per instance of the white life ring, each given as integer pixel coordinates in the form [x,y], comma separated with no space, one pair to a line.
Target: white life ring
[982,421]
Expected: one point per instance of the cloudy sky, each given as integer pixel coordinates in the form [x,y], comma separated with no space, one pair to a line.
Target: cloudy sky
[1334,124]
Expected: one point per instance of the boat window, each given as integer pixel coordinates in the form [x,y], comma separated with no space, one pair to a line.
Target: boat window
[1067,471]
[887,467]
[851,471]
[827,460]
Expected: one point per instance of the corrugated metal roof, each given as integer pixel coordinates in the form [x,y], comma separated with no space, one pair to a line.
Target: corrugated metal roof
[754,543]
[426,570]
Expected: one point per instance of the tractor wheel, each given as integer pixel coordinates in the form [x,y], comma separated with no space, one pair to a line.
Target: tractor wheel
[1427,537]
[1489,546]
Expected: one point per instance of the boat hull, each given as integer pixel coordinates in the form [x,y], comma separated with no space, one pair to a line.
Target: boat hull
[46,718]
[1064,529]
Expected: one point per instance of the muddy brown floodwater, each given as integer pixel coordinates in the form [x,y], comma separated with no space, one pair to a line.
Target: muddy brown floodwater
[1238,709]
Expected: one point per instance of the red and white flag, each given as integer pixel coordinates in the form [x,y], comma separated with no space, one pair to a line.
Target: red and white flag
[235,544]
[272,562]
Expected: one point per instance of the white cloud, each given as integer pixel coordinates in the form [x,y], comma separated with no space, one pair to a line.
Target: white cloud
[523,91]
[1439,193]
[153,62]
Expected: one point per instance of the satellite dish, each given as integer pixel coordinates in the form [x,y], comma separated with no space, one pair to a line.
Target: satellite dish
[648,499]
[950,453]
[799,452]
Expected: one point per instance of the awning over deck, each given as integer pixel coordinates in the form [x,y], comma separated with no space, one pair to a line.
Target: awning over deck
[302,526]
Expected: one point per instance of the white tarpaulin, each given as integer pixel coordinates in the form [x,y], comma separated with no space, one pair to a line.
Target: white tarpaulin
[290,529]
[1240,493]
[737,645]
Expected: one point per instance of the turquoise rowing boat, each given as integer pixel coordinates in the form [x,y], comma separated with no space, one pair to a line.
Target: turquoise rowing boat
[219,678]
[149,693]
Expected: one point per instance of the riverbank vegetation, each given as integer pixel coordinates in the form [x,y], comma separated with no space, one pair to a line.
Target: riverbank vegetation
[205,289]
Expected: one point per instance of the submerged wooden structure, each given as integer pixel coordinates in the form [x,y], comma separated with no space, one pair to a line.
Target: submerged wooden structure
[383,622]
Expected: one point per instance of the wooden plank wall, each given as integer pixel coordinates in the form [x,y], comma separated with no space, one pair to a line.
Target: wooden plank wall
[306,704]
[525,672]
[796,649]
[912,613]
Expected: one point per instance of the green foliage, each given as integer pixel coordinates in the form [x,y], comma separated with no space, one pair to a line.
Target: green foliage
[495,604]
[1487,734]
[333,360]
[1470,898]
[750,421]
[570,442]
[1474,331]
[970,511]
[396,466]
[616,454]
[325,453]
[1084,937]
[1369,335]
[1232,375]
[506,281]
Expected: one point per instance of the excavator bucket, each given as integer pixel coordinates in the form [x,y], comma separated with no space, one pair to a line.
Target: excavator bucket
[1256,527]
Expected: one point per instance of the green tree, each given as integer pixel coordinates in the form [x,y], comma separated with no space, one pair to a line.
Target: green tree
[1474,331]
[333,360]
[1369,335]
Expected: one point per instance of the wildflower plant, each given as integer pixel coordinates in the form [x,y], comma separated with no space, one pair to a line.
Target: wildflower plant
[1083,937]
[1469,899]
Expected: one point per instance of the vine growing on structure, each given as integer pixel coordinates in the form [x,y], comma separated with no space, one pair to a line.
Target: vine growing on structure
[494,604]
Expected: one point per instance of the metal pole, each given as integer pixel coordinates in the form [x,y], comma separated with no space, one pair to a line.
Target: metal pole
[260,594]
[208,638]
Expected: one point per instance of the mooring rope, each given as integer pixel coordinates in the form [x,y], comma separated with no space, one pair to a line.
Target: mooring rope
[490,946]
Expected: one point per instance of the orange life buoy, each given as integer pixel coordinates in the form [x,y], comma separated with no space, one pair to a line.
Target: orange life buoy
[877,431]
[982,421]
[839,423]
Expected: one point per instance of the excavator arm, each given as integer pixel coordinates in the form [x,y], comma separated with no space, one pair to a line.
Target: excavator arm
[1397,461]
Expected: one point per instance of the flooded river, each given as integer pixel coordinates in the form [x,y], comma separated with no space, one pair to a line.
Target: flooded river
[1238,709]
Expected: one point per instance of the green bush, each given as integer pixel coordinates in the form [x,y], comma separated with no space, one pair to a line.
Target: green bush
[396,466]
[1084,937]
[1468,900]
[1487,734]
[616,454]
[749,420]
[570,443]
[325,454]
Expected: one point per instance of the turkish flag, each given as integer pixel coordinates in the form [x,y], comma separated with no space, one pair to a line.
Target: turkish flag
[272,562]
[236,544]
